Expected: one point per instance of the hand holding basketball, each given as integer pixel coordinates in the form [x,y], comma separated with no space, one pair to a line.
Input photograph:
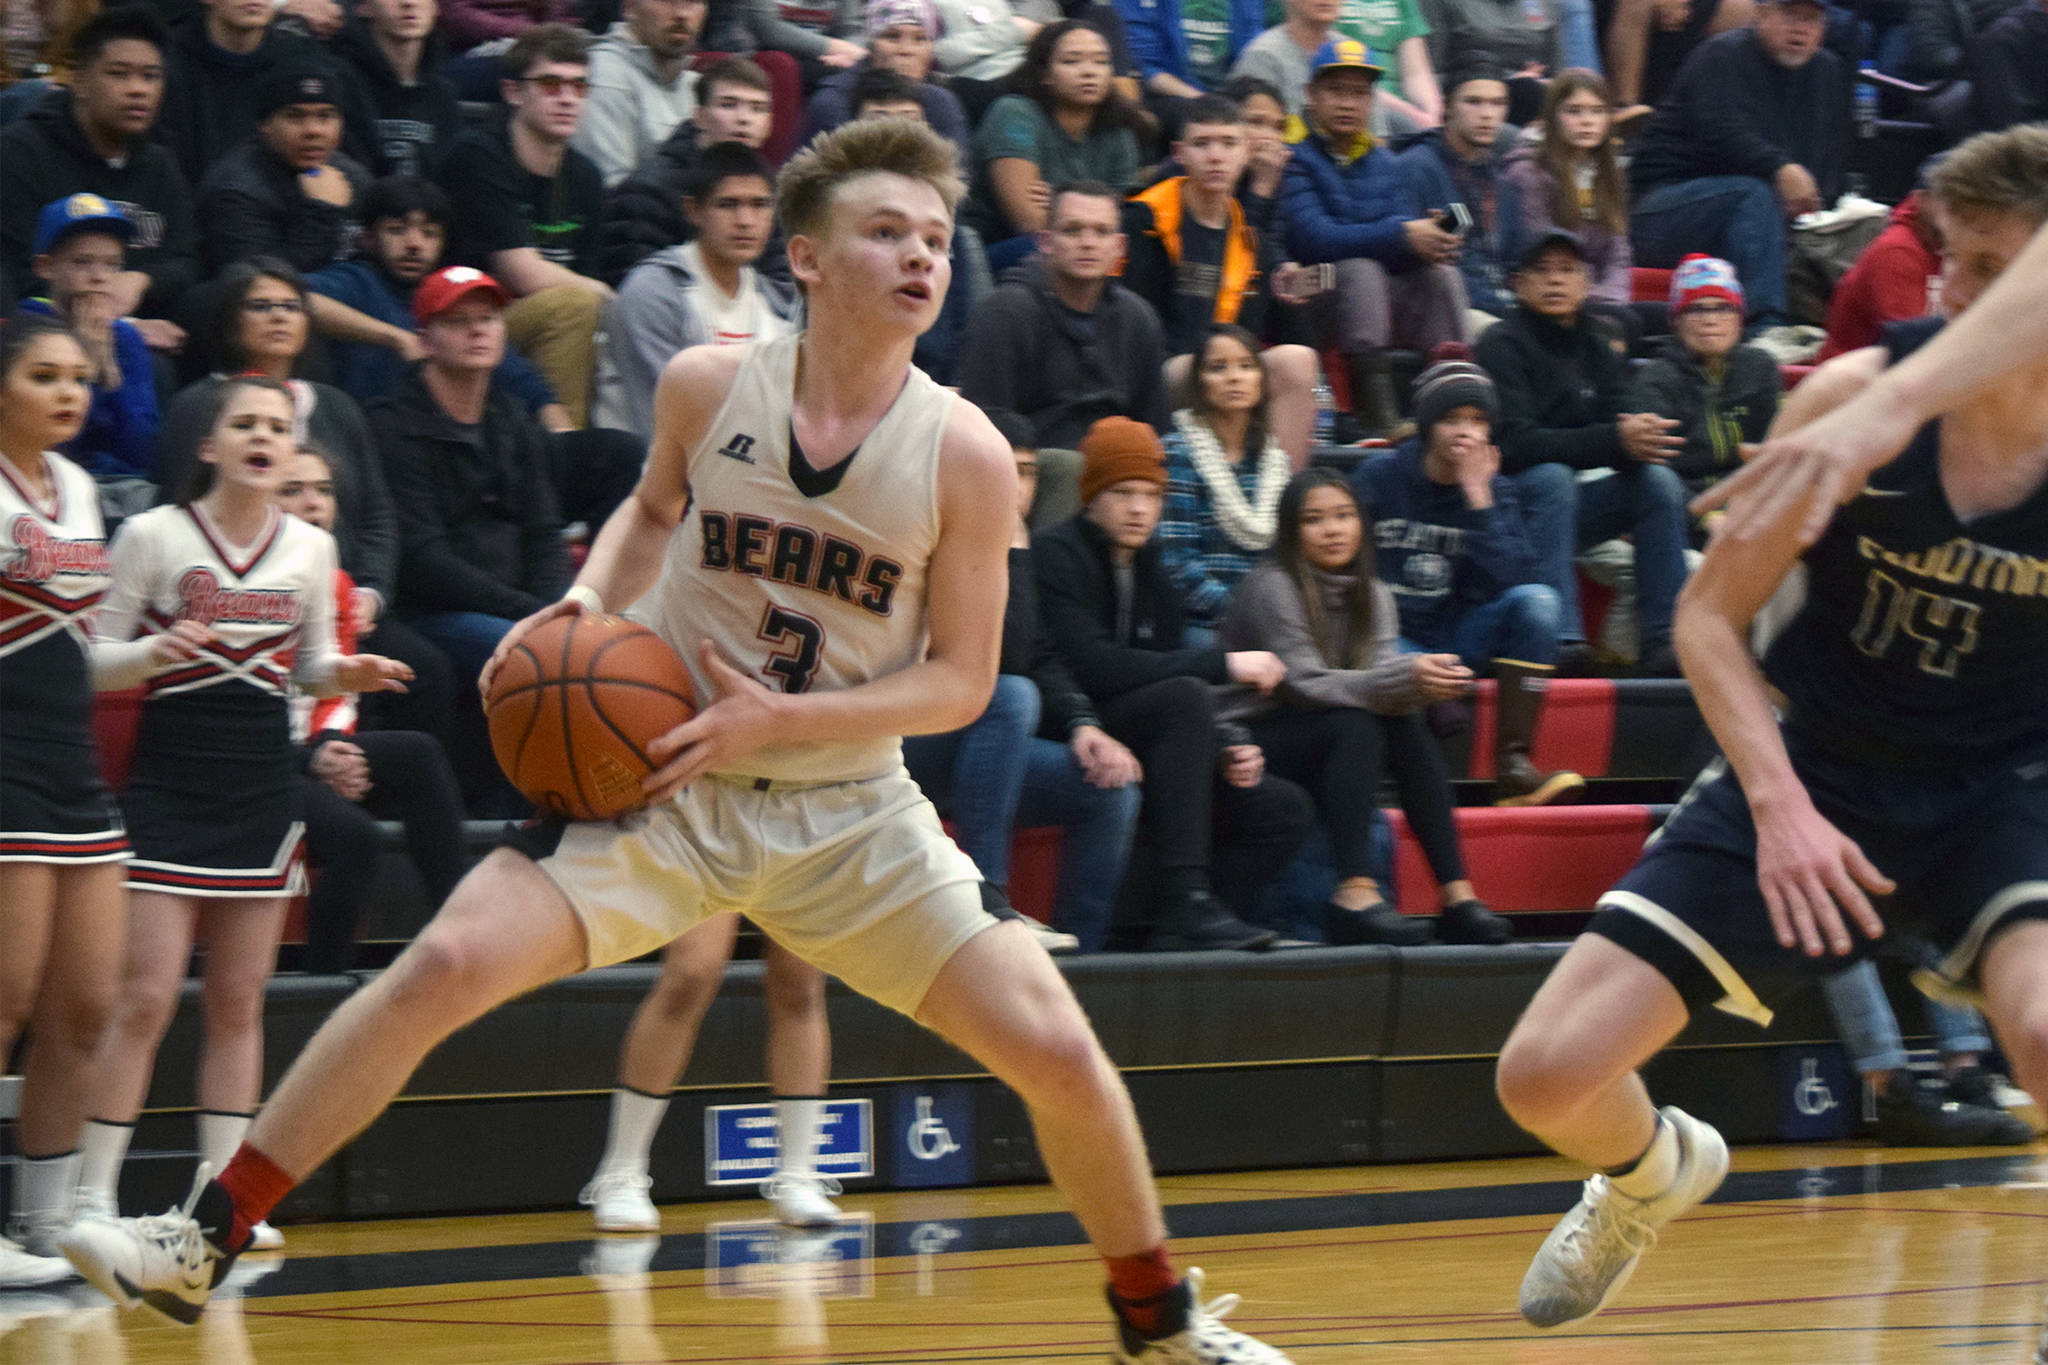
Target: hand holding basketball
[739,721]
[568,606]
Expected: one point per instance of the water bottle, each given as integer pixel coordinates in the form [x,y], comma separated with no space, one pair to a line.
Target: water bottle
[1866,101]
[1326,413]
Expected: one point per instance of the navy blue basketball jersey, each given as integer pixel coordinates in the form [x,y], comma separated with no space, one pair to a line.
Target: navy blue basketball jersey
[1923,640]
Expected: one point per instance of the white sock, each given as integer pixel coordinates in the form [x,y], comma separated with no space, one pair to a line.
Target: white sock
[1657,1169]
[629,1143]
[220,1133]
[798,1121]
[47,1185]
[102,1147]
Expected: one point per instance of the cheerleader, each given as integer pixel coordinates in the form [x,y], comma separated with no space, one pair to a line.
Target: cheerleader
[61,841]
[212,803]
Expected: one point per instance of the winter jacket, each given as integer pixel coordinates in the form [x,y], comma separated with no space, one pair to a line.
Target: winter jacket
[1437,178]
[631,110]
[1439,557]
[1028,651]
[365,371]
[832,105]
[1268,613]
[1888,282]
[1716,414]
[467,23]
[1735,111]
[119,438]
[210,93]
[1503,35]
[1077,594]
[366,523]
[1026,351]
[1937,32]
[1159,39]
[643,213]
[1153,229]
[1528,207]
[255,205]
[1560,392]
[657,313]
[44,157]
[395,128]
[477,526]
[1336,209]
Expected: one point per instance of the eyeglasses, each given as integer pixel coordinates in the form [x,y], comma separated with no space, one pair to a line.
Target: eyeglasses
[263,308]
[555,85]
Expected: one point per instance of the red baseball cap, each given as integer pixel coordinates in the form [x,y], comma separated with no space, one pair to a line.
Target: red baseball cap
[450,285]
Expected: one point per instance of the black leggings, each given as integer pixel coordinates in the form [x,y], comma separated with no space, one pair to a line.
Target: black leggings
[1340,754]
[410,782]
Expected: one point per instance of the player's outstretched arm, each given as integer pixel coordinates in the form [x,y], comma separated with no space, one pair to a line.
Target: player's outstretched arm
[626,556]
[967,589]
[1809,872]
[1824,465]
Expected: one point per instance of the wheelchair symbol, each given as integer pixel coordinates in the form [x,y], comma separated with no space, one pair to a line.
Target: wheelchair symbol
[929,1138]
[1812,1094]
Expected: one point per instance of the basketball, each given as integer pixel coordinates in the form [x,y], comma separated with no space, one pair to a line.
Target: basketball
[574,706]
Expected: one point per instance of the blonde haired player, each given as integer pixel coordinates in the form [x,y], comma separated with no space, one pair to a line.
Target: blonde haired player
[822,532]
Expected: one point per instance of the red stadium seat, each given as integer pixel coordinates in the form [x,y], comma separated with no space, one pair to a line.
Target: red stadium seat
[1576,731]
[1528,858]
[1647,284]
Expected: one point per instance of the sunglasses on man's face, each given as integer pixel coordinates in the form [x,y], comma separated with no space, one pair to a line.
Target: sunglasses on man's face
[555,85]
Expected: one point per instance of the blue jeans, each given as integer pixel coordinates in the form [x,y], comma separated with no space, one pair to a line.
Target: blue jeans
[997,775]
[1871,1031]
[1580,46]
[1563,516]
[1736,217]
[466,637]
[1520,624]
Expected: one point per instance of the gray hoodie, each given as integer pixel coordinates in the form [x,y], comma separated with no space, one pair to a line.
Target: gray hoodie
[658,312]
[630,111]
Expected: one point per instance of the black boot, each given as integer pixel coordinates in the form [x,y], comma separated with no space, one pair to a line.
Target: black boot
[1373,398]
[1516,780]
[1198,921]
[1472,921]
[1379,923]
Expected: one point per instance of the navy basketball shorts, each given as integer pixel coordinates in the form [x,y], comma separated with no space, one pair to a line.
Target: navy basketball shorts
[1968,849]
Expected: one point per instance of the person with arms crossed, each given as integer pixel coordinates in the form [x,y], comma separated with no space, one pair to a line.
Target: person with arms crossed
[846,435]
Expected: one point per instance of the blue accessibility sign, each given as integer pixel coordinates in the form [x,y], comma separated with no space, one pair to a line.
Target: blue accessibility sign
[933,1136]
[741,1147]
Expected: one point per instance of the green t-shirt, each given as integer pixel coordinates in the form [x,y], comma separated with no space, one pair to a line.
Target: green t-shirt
[1206,26]
[1382,25]
[1016,127]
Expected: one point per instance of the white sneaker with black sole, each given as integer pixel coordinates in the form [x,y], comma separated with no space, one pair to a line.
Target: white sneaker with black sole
[1203,1341]
[1593,1250]
[619,1202]
[800,1200]
[163,1262]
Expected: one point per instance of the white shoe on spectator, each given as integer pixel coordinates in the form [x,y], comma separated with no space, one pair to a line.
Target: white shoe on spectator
[1051,939]
[1790,345]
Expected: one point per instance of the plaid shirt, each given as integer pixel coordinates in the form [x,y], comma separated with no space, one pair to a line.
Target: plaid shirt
[1204,563]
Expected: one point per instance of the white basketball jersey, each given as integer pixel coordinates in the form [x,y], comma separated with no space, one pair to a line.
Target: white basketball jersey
[53,557]
[269,604]
[807,581]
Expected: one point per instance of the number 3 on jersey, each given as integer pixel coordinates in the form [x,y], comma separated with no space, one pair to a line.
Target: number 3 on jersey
[800,642]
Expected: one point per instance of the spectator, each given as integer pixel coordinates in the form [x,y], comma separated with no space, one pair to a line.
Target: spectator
[703,293]
[1896,277]
[980,44]
[39,44]
[80,246]
[1754,133]
[403,109]
[1059,341]
[531,204]
[2012,80]
[1349,710]
[641,85]
[1526,39]
[1940,33]
[480,542]
[94,139]
[1570,178]
[816,34]
[1284,55]
[1649,40]
[1185,51]
[1561,388]
[1265,126]
[1116,620]
[1064,124]
[214,71]
[1038,755]
[1344,202]
[1454,552]
[349,781]
[473,23]
[288,191]
[365,304]
[644,213]
[900,35]
[1461,163]
[1224,475]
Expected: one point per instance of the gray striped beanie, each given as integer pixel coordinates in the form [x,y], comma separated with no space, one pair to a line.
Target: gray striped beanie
[1452,384]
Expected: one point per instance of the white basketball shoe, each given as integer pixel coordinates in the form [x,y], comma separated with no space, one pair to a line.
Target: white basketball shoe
[619,1202]
[801,1200]
[1203,1341]
[163,1263]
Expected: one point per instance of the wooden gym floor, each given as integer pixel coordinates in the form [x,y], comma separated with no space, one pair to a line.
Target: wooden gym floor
[1836,1254]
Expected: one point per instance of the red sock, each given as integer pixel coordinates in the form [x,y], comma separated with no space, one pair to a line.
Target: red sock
[1139,1287]
[256,1184]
